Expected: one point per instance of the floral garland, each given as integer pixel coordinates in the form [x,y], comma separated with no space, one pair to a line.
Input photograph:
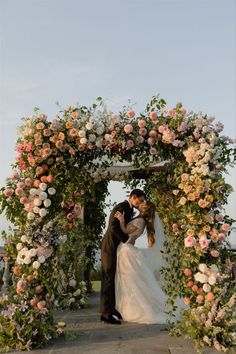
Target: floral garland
[59,164]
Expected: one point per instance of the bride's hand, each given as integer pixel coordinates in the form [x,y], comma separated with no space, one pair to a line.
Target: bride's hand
[120,216]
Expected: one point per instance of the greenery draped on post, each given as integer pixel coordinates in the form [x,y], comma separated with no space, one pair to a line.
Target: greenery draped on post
[62,166]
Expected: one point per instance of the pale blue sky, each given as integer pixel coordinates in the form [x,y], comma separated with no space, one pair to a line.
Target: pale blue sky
[73,51]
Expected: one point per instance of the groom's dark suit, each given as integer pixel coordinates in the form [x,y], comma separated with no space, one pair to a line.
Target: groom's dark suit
[113,236]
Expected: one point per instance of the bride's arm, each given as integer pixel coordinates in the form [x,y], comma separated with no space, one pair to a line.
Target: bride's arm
[129,229]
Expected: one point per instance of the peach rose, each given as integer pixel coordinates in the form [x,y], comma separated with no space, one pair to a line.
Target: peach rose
[8,192]
[153,151]
[200,298]
[38,289]
[186,300]
[41,305]
[182,201]
[141,123]
[214,253]
[210,296]
[74,115]
[19,191]
[128,128]
[142,131]
[189,284]
[187,272]
[153,116]
[194,288]
[152,133]
[130,114]
[130,144]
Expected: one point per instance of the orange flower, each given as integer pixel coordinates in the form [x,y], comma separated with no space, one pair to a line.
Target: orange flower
[74,115]
[73,132]
[202,203]
[209,198]
[69,124]
[61,136]
[59,144]
[40,126]
[53,139]
[190,232]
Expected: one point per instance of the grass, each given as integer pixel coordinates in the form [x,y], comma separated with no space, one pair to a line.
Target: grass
[96,285]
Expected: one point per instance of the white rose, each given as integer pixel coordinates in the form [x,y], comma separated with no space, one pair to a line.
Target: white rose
[51,191]
[30,216]
[82,134]
[100,130]
[36,265]
[37,202]
[24,238]
[41,259]
[206,288]
[92,138]
[72,283]
[202,278]
[43,212]
[77,292]
[43,186]
[19,246]
[214,268]
[36,209]
[203,267]
[32,252]
[108,137]
[212,280]
[43,195]
[89,126]
[47,203]
[33,191]
[27,260]
[99,142]
[83,141]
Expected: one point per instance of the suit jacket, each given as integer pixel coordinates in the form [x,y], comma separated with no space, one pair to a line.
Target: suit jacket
[114,235]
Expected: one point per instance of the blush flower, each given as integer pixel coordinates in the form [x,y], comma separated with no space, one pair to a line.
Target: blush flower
[128,128]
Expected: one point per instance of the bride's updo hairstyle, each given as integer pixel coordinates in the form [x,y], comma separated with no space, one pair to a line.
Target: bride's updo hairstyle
[148,213]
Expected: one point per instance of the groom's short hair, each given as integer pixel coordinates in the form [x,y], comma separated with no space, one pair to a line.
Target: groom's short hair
[137,193]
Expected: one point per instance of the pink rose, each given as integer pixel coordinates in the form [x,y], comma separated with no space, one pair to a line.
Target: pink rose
[225,227]
[14,175]
[128,128]
[22,165]
[33,301]
[70,216]
[219,217]
[140,139]
[28,182]
[113,134]
[221,237]
[130,114]
[203,242]
[19,191]
[151,141]
[152,133]
[161,129]
[170,112]
[20,185]
[130,144]
[189,241]
[8,192]
[153,151]
[141,123]
[214,253]
[142,131]
[153,116]
[38,289]
[24,200]
[21,284]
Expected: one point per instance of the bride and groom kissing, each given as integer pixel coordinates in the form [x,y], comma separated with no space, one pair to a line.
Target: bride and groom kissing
[130,288]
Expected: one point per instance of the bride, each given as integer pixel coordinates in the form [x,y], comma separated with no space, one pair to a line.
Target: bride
[139,297]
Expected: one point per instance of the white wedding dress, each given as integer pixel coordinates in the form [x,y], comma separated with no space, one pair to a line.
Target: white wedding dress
[139,297]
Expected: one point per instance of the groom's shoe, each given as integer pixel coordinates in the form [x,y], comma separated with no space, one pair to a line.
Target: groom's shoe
[110,319]
[118,315]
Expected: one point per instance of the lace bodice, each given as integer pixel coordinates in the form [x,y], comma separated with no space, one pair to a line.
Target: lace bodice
[140,224]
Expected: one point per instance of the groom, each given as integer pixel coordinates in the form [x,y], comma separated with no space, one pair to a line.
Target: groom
[113,236]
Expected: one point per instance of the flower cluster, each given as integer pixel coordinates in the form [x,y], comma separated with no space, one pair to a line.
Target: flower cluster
[58,167]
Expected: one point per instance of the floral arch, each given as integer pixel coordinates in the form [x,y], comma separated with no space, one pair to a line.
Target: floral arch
[62,169]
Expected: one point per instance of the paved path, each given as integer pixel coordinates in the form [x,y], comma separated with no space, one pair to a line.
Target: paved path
[96,337]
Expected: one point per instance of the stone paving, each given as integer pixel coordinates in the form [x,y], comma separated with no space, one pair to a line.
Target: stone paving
[128,338]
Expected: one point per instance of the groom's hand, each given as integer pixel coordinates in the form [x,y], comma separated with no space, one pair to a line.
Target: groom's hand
[120,216]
